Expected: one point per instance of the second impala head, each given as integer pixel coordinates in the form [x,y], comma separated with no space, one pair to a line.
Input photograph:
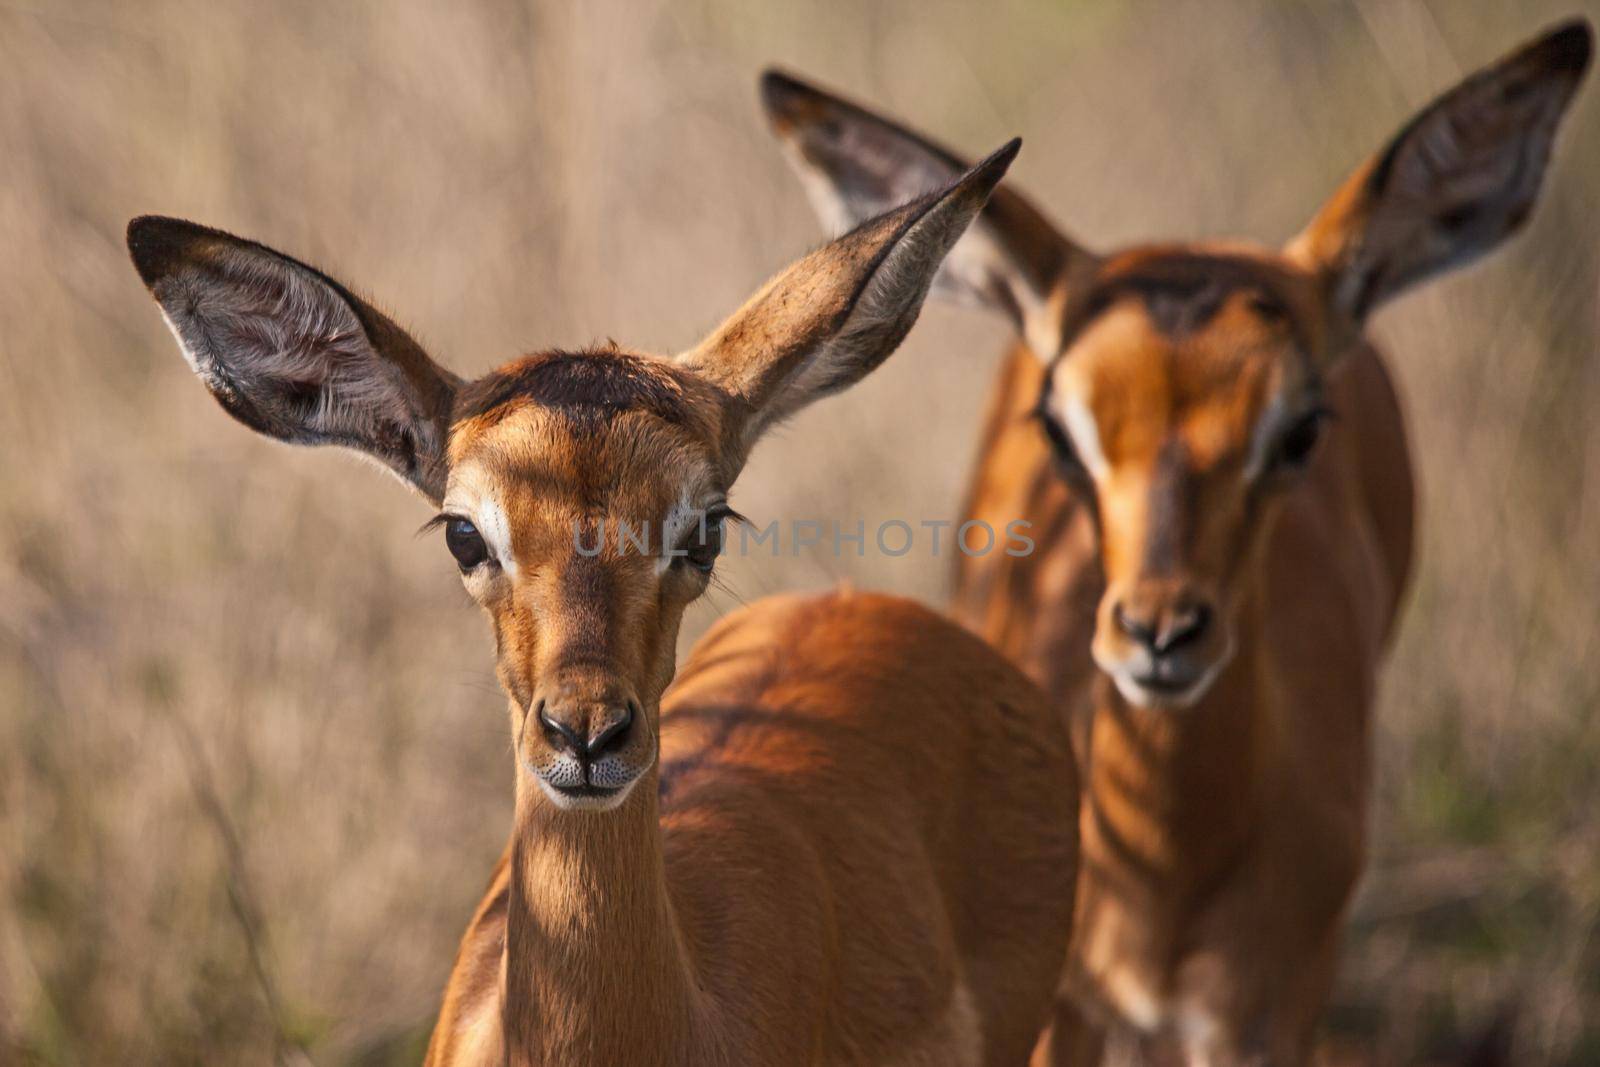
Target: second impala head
[1184,385]
[1187,405]
[547,471]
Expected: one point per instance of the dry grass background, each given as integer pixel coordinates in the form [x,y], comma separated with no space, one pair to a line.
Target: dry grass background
[253,764]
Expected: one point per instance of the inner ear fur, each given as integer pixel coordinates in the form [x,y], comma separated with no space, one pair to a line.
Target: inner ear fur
[855,163]
[1459,179]
[293,354]
[830,319]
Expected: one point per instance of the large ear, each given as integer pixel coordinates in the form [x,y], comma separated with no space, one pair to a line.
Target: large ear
[1459,179]
[855,164]
[292,354]
[827,321]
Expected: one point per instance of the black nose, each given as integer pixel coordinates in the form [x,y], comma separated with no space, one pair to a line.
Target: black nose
[603,731]
[1163,631]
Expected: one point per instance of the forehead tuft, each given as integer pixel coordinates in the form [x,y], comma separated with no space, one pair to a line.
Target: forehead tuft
[603,431]
[596,385]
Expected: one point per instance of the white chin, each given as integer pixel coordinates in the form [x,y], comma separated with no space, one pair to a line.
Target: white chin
[1161,699]
[578,802]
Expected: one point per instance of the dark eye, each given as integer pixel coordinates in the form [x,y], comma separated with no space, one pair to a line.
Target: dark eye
[1297,444]
[704,542]
[465,543]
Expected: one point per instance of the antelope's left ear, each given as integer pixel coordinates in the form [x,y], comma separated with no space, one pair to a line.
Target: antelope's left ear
[834,316]
[1458,180]
[293,354]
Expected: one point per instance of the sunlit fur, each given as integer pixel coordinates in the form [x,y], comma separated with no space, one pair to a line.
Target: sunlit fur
[858,864]
[585,633]
[1223,818]
[1226,825]
[821,766]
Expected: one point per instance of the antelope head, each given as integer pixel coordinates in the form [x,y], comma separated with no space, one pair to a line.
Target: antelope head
[1184,387]
[546,471]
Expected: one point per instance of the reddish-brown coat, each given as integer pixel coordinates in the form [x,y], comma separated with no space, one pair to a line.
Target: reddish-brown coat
[1222,831]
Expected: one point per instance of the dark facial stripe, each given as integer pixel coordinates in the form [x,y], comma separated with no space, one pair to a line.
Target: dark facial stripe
[1167,540]
[588,596]
[1183,291]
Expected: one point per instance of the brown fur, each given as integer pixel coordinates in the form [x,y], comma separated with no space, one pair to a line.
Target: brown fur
[844,842]
[1220,841]
[845,847]
[1221,833]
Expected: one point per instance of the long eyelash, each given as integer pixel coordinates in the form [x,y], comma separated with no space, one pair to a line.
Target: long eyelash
[434,523]
[721,585]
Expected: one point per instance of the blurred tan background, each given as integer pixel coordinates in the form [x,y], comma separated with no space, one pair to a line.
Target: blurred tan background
[253,762]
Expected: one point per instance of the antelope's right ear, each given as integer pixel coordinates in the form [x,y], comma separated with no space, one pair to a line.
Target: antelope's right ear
[855,164]
[293,354]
